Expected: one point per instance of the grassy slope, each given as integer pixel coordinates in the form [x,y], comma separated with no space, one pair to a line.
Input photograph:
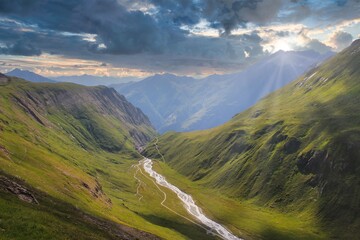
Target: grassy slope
[79,154]
[51,219]
[296,151]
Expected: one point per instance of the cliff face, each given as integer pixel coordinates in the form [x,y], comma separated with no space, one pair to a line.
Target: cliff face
[99,114]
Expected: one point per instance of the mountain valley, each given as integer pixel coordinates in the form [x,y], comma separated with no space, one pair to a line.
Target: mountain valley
[175,103]
[179,120]
[297,150]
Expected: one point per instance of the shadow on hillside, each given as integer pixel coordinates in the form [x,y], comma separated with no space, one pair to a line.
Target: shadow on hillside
[338,122]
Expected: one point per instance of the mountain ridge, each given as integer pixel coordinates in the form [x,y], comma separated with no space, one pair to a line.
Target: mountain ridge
[185,104]
[91,80]
[28,75]
[63,147]
[297,150]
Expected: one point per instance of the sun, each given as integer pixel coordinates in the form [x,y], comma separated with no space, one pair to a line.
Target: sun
[282,45]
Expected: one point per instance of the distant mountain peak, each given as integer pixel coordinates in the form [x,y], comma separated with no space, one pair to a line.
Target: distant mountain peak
[17,70]
[94,80]
[165,75]
[28,75]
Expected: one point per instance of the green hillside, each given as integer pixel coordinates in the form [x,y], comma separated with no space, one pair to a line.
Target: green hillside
[297,151]
[67,156]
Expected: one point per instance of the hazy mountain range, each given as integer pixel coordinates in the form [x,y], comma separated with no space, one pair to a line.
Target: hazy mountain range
[185,104]
[30,76]
[90,80]
[178,103]
[86,80]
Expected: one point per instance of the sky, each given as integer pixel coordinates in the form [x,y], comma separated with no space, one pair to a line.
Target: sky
[184,37]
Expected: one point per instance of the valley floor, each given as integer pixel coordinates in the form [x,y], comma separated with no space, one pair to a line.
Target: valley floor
[242,217]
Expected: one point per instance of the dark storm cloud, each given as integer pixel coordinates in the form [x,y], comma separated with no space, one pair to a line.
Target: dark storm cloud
[57,27]
[324,11]
[122,31]
[227,15]
[29,42]
[22,48]
[178,11]
[196,54]
[224,15]
[117,30]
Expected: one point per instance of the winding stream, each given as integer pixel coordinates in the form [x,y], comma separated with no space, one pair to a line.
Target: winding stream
[189,203]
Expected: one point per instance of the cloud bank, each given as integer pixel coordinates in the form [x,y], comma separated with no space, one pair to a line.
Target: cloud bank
[159,35]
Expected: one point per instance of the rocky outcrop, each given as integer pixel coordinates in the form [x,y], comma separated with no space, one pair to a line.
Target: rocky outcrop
[103,113]
[277,138]
[311,161]
[28,108]
[292,145]
[97,191]
[267,129]
[4,151]
[4,80]
[15,188]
